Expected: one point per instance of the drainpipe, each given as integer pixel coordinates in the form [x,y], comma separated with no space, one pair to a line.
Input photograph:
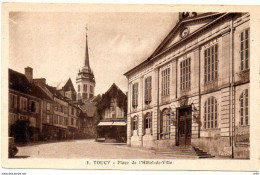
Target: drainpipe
[158,110]
[199,94]
[177,120]
[232,89]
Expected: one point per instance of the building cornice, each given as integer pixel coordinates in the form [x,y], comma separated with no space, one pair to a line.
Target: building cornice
[178,43]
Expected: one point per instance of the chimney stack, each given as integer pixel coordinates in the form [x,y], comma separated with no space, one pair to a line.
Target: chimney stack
[28,71]
[40,81]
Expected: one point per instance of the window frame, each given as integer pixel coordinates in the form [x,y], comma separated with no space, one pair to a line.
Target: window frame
[244,108]
[135,95]
[148,90]
[35,110]
[23,107]
[85,87]
[166,125]
[165,82]
[244,59]
[211,64]
[210,118]
[185,74]
[12,101]
[135,123]
[148,120]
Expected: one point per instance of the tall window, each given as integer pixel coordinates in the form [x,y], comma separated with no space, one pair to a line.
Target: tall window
[211,64]
[48,118]
[211,113]
[135,123]
[148,120]
[244,49]
[166,82]
[85,87]
[185,74]
[148,90]
[244,108]
[135,95]
[23,104]
[33,106]
[12,101]
[48,106]
[91,89]
[78,88]
[165,124]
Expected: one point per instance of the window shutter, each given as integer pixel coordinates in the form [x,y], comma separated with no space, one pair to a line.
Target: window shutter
[158,125]
[143,123]
[161,122]
[151,128]
[138,125]
[30,105]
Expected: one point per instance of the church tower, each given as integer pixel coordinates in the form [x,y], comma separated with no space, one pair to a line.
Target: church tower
[85,80]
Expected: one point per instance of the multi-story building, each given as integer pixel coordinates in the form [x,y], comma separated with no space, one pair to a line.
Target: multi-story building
[112,111]
[194,89]
[26,101]
[47,110]
[73,123]
[60,114]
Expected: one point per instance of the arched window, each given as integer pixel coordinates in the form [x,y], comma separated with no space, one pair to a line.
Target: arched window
[211,113]
[165,124]
[244,108]
[135,123]
[148,120]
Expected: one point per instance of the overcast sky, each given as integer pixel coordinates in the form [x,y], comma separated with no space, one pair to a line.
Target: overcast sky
[53,44]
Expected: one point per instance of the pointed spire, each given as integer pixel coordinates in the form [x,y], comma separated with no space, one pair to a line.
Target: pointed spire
[86,52]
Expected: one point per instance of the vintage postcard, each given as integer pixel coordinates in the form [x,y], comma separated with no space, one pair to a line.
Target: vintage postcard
[142,87]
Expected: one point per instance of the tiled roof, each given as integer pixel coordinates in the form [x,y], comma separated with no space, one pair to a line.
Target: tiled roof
[18,82]
[89,109]
[56,93]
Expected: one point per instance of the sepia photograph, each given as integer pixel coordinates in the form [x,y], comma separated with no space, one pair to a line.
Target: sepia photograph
[154,87]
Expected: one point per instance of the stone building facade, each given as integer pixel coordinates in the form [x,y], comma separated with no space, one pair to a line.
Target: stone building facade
[194,89]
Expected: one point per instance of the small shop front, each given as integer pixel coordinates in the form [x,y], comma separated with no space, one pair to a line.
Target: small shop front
[114,131]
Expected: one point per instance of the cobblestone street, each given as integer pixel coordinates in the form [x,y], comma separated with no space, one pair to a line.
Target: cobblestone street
[84,149]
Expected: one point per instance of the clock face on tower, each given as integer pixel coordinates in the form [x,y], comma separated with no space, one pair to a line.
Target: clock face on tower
[184,32]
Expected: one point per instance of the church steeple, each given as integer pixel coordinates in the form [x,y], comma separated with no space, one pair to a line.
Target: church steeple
[86,51]
[85,79]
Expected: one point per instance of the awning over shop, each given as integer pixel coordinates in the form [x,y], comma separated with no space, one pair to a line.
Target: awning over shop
[119,124]
[112,123]
[105,123]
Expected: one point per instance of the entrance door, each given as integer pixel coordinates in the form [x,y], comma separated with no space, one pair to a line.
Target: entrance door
[184,127]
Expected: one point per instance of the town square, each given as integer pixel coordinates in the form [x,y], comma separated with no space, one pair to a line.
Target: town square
[112,86]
